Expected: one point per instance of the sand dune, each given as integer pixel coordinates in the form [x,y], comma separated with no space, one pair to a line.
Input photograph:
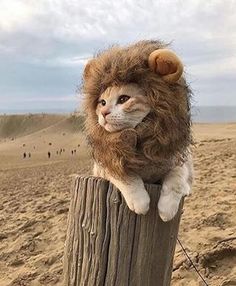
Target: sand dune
[18,125]
[35,194]
[60,132]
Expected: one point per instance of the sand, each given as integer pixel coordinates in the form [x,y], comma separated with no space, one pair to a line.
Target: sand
[35,195]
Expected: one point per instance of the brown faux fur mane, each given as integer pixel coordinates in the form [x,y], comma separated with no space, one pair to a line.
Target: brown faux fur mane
[163,136]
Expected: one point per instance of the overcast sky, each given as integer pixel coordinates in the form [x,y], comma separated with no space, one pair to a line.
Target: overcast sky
[44,45]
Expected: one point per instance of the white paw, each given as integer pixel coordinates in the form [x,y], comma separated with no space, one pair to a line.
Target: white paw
[168,204]
[186,189]
[138,202]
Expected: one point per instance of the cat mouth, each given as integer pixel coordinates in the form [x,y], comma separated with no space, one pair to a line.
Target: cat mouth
[112,127]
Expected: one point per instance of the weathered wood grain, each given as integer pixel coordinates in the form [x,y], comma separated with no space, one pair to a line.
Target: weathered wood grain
[108,245]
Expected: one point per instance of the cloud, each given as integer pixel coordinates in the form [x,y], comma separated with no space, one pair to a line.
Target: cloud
[46,43]
[69,98]
[90,24]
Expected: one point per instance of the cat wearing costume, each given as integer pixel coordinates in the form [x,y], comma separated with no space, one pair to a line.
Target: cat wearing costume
[138,123]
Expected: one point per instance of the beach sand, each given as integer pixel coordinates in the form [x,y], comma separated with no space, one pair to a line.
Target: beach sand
[35,196]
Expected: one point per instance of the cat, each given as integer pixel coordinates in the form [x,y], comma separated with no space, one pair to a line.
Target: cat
[126,108]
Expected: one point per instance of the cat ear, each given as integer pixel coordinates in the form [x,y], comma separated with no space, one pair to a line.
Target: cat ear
[87,69]
[167,64]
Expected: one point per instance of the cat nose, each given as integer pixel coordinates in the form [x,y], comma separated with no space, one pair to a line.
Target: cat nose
[105,113]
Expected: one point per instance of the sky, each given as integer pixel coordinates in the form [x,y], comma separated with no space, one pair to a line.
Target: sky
[45,44]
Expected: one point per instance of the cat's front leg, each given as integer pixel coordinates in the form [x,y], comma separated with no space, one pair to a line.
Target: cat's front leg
[132,189]
[134,193]
[176,185]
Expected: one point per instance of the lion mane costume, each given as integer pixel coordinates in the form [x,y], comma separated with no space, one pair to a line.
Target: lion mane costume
[161,140]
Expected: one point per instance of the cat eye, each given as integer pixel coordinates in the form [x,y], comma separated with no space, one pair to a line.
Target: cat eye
[102,102]
[123,98]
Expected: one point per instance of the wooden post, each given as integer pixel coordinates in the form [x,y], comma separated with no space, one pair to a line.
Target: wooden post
[108,245]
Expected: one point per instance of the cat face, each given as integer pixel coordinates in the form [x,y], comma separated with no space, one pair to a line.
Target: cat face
[121,107]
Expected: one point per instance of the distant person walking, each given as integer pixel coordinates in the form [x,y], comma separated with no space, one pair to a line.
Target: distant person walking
[24,155]
[72,152]
[49,155]
[29,155]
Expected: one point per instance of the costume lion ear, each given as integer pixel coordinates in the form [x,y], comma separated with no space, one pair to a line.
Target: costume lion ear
[87,69]
[167,64]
